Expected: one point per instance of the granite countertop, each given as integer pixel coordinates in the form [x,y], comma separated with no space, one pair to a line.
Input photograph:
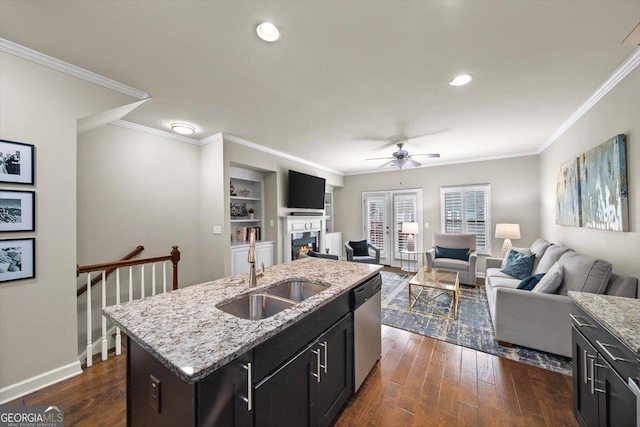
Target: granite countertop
[185,331]
[620,315]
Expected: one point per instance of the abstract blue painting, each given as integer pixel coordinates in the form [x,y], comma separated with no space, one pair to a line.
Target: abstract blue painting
[603,186]
[568,194]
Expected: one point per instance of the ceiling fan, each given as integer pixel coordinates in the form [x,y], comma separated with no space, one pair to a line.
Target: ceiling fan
[402,158]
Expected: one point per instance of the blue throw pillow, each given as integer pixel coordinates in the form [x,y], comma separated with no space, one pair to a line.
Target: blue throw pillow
[518,265]
[360,248]
[529,282]
[461,254]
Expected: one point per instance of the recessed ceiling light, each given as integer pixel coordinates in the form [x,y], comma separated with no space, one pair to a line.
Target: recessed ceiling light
[461,80]
[268,32]
[182,128]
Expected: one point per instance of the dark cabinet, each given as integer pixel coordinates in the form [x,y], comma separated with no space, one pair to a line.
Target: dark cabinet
[604,373]
[225,397]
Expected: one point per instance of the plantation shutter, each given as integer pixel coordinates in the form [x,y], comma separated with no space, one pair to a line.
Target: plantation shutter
[375,221]
[466,210]
[404,207]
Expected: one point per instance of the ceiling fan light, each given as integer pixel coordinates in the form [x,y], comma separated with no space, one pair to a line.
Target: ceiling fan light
[461,80]
[183,128]
[268,32]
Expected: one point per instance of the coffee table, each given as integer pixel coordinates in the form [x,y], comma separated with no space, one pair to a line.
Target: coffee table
[442,283]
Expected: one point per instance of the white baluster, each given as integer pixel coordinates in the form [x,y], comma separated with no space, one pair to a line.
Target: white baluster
[118,337]
[153,278]
[164,276]
[105,347]
[131,283]
[142,281]
[89,338]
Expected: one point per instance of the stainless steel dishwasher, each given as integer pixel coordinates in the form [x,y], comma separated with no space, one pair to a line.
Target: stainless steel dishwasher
[367,330]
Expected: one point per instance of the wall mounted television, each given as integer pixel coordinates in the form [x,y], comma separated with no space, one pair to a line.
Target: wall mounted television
[305,191]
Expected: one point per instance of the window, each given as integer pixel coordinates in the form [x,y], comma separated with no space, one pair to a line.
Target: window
[404,207]
[466,210]
[375,221]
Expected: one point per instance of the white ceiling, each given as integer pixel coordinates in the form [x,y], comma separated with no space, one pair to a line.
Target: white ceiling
[344,73]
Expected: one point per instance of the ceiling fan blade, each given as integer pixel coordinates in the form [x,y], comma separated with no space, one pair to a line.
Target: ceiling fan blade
[389,163]
[409,162]
[381,158]
[426,155]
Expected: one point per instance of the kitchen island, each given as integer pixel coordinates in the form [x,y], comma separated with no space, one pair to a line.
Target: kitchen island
[192,363]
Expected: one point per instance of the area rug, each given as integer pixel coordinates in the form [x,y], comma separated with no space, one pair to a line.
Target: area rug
[472,329]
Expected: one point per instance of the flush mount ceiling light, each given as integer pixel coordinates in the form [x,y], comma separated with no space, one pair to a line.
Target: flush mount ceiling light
[461,80]
[268,32]
[183,128]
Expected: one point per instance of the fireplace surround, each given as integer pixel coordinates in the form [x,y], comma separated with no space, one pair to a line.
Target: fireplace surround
[302,233]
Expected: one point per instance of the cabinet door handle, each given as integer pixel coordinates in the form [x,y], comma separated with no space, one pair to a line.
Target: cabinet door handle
[580,324]
[326,350]
[317,353]
[249,398]
[608,353]
[586,373]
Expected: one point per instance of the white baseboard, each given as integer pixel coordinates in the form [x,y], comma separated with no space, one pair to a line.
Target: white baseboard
[22,388]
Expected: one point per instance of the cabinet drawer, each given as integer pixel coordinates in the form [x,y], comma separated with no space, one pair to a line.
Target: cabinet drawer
[619,356]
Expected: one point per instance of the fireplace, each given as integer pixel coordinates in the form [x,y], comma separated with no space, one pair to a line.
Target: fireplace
[302,234]
[304,242]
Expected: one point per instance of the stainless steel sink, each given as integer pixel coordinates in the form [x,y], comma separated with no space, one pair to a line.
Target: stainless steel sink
[297,290]
[256,306]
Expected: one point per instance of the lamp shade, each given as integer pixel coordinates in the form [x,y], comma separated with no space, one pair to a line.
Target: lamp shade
[507,231]
[410,228]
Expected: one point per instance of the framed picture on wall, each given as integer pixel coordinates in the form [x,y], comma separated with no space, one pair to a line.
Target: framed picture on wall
[17,210]
[16,162]
[17,259]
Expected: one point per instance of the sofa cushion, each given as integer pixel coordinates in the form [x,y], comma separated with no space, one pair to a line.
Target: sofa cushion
[495,272]
[518,265]
[453,253]
[360,248]
[500,282]
[451,264]
[530,282]
[525,251]
[584,273]
[551,255]
[539,247]
[551,281]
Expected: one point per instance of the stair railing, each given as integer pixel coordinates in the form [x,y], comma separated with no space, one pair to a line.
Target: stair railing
[103,270]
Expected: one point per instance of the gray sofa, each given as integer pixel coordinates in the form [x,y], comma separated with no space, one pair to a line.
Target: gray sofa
[466,269]
[541,321]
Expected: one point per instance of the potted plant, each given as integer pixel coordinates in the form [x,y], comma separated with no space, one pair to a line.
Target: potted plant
[251,213]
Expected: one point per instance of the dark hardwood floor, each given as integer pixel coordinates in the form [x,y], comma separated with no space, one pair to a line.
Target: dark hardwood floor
[419,382]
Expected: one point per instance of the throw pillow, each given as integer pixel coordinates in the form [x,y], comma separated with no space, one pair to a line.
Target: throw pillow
[452,253]
[360,248]
[519,265]
[530,282]
[525,251]
[551,281]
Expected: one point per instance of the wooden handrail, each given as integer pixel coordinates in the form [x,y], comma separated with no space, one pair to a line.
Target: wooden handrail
[174,257]
[97,279]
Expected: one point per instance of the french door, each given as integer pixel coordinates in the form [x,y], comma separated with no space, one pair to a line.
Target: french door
[383,215]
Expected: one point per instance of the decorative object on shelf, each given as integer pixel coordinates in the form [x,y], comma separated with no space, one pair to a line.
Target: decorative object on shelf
[239,210]
[17,210]
[410,228]
[251,213]
[592,189]
[17,259]
[243,234]
[245,193]
[232,190]
[507,232]
[17,163]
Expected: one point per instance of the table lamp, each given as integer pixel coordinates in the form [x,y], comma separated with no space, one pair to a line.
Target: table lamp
[507,232]
[410,228]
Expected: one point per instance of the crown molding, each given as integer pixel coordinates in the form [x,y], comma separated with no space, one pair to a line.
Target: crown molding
[216,137]
[152,131]
[20,51]
[627,66]
[454,162]
[249,144]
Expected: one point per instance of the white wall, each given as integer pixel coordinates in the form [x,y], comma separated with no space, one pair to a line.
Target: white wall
[618,112]
[38,316]
[514,196]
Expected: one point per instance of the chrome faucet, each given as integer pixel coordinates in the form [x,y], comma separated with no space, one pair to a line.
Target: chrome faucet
[253,276]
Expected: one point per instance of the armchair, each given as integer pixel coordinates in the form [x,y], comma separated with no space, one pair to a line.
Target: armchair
[369,259]
[466,269]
